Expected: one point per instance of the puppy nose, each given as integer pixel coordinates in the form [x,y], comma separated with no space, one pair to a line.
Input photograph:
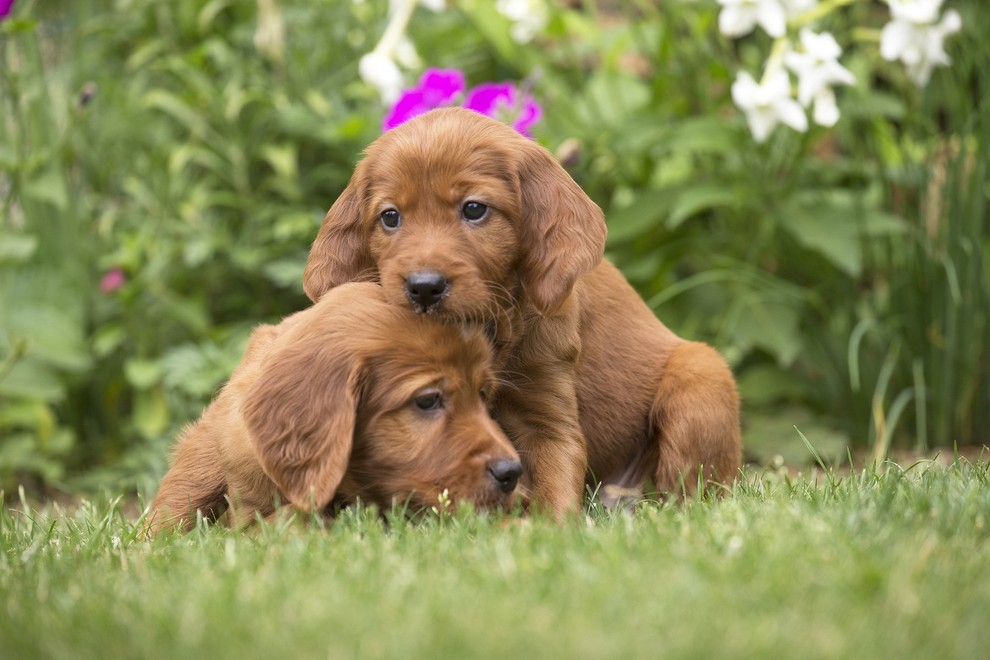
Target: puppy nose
[505,472]
[426,287]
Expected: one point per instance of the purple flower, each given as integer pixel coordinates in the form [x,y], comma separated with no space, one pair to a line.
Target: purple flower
[112,280]
[436,87]
[5,8]
[504,101]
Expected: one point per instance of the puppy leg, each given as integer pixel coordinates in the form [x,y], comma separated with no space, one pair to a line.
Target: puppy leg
[194,483]
[543,428]
[696,416]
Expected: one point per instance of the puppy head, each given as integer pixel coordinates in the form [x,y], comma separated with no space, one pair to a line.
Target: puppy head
[360,398]
[450,212]
[423,425]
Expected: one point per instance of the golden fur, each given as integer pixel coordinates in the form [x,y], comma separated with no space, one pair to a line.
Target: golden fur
[599,390]
[323,407]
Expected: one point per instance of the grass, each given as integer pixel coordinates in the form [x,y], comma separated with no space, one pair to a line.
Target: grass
[881,563]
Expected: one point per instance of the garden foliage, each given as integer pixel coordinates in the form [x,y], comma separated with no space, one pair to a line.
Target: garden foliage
[164,167]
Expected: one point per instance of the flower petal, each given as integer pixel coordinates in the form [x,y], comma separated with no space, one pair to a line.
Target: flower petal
[381,72]
[486,97]
[826,112]
[894,39]
[791,113]
[440,86]
[744,91]
[736,21]
[950,23]
[761,123]
[531,113]
[770,16]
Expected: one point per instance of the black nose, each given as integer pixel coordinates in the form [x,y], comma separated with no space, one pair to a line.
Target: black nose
[426,287]
[505,472]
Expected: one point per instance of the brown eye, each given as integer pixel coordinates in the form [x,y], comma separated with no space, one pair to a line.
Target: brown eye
[391,219]
[474,211]
[429,401]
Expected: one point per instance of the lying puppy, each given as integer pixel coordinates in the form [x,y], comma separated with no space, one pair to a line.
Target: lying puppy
[351,398]
[460,217]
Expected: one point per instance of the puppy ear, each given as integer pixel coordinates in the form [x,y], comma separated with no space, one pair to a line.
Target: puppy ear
[300,413]
[340,252]
[562,233]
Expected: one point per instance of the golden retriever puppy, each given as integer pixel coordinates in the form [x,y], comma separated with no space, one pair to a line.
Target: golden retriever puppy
[459,217]
[351,398]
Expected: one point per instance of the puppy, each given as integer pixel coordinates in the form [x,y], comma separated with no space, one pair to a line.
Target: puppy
[461,218]
[351,398]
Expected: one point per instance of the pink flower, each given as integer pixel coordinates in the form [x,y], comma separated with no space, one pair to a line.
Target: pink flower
[440,87]
[5,8]
[112,280]
[436,87]
[504,101]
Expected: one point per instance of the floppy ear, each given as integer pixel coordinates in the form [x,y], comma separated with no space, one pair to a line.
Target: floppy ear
[300,413]
[340,252]
[562,233]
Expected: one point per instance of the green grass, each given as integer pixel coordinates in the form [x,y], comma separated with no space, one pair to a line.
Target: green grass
[882,563]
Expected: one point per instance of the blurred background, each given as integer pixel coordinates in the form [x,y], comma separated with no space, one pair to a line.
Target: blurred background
[164,168]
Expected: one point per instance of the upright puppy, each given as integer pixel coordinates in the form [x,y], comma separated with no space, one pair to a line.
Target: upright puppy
[460,217]
[350,398]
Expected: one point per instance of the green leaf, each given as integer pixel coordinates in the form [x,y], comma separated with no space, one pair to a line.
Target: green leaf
[207,15]
[16,248]
[766,384]
[107,339]
[830,225]
[142,374]
[49,188]
[53,333]
[880,223]
[611,98]
[873,105]
[644,214]
[287,273]
[768,435]
[711,135]
[693,201]
[177,109]
[768,324]
[151,413]
[30,378]
[27,413]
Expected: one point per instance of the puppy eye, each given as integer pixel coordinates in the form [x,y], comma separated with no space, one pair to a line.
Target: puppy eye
[483,393]
[429,401]
[474,211]
[391,219]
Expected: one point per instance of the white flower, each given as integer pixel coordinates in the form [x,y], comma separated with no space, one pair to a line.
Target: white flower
[768,103]
[739,17]
[826,112]
[434,5]
[817,68]
[915,11]
[406,55]
[797,7]
[381,72]
[913,37]
[528,17]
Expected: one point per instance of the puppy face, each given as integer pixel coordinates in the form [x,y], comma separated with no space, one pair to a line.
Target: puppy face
[459,216]
[423,427]
[443,243]
[358,398]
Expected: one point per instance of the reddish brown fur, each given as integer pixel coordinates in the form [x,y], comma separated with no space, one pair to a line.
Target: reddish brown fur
[598,388]
[321,408]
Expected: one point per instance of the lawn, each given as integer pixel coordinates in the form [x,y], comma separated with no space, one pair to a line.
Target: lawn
[890,562]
